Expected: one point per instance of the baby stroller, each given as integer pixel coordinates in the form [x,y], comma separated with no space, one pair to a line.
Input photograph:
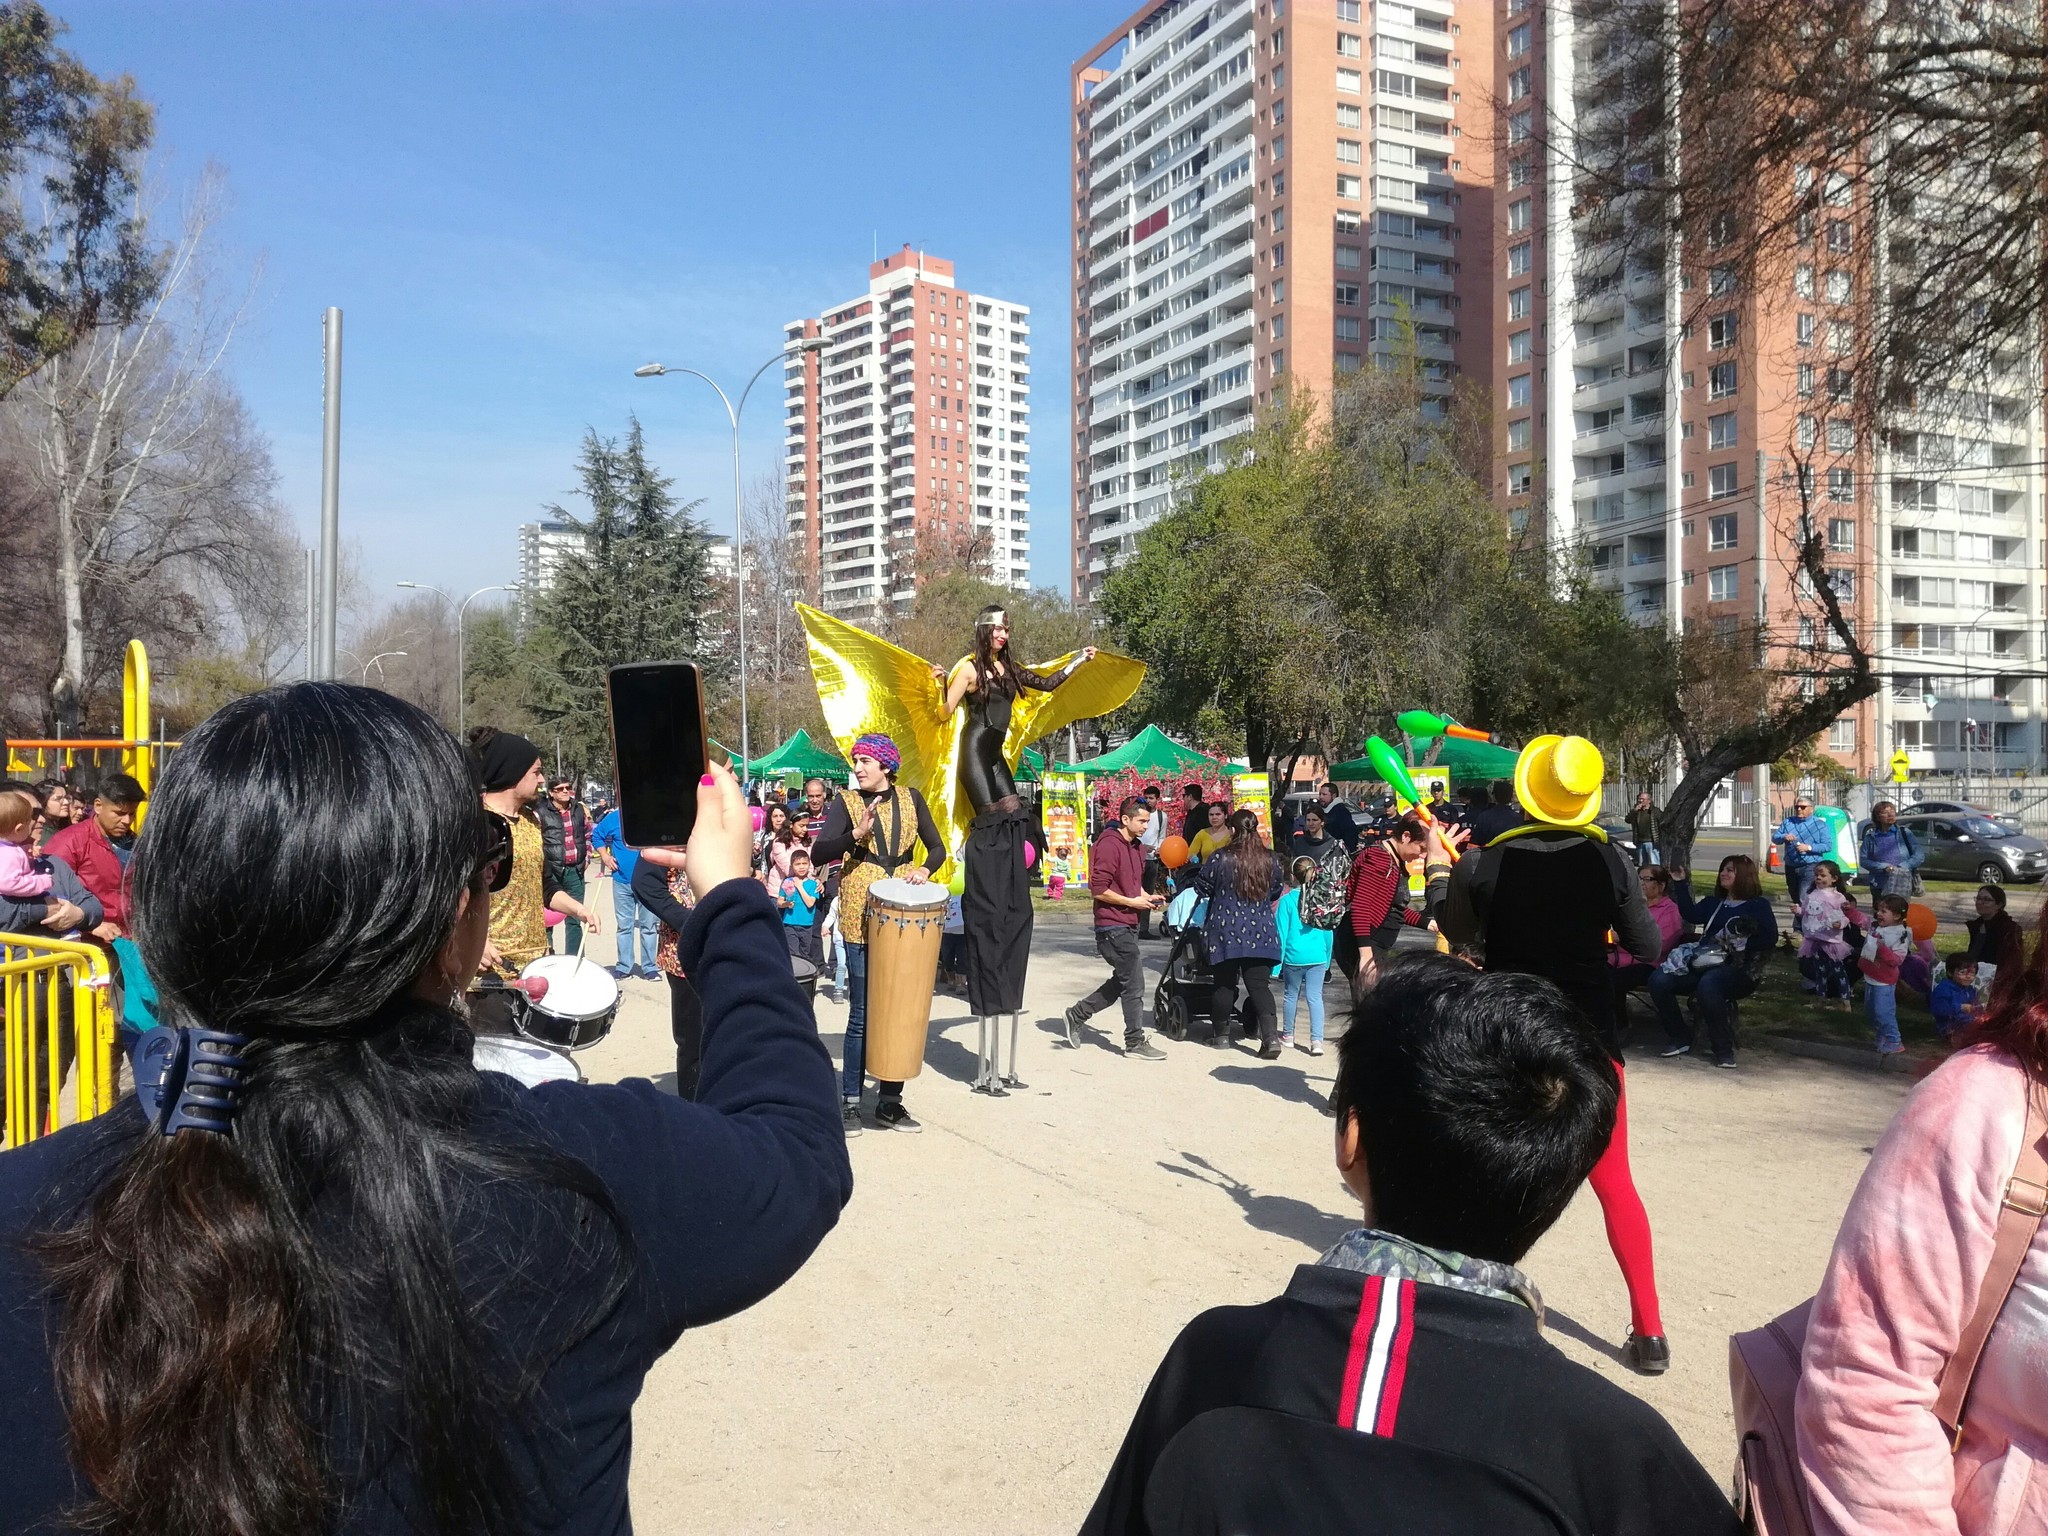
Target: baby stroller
[1186,988]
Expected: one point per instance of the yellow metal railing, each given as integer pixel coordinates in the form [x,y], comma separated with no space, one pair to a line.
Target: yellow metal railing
[57,1000]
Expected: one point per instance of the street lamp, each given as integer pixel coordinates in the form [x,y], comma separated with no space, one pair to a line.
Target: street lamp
[739,547]
[461,671]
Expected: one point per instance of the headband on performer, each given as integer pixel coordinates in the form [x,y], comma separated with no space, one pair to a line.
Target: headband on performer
[991,617]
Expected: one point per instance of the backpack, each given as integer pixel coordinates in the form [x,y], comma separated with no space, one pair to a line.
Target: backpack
[1764,1364]
[1327,896]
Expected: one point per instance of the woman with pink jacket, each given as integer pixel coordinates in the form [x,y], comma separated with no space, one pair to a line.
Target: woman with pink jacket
[1903,1282]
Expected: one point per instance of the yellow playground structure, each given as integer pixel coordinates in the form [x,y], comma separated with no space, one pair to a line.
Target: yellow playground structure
[57,994]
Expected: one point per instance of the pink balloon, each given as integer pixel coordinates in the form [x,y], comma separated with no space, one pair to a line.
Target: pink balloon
[760,818]
[1030,854]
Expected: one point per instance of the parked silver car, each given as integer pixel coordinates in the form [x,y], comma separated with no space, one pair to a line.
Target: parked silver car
[1973,847]
[2005,819]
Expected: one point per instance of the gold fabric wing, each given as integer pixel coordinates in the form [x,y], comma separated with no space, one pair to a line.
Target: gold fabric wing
[867,684]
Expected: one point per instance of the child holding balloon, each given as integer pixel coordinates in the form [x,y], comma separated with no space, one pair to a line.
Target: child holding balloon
[1883,953]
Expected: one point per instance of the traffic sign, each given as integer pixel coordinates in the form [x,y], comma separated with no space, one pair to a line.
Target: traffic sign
[1901,766]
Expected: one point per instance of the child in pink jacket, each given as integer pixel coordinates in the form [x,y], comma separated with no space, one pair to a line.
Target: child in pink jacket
[1902,1283]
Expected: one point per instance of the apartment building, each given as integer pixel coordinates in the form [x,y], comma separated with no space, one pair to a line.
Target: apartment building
[1657,417]
[1264,190]
[908,441]
[542,546]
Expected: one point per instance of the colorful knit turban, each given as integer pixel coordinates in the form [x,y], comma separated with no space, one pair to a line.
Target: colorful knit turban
[880,748]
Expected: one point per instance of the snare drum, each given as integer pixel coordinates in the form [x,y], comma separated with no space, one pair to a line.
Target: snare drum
[904,925]
[577,1010]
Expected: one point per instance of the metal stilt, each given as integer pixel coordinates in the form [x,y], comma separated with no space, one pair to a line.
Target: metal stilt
[988,1043]
[1012,1080]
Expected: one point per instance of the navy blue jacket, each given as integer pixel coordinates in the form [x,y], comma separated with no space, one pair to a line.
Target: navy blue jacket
[724,1199]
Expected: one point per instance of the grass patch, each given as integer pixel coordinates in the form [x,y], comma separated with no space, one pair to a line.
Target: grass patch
[1779,1006]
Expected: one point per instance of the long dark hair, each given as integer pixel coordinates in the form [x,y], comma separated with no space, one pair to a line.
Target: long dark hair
[986,677]
[2015,1018]
[1257,871]
[253,1328]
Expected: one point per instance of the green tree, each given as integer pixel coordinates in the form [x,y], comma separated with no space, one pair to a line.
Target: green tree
[640,589]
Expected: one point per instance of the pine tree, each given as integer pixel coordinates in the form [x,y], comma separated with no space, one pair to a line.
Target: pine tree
[641,589]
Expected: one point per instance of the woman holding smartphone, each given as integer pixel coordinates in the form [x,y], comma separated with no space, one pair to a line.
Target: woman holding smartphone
[345,1280]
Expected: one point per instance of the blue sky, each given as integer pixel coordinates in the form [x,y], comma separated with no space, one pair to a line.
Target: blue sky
[515,204]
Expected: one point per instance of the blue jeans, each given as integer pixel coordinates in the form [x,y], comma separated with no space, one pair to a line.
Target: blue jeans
[1718,990]
[1881,1004]
[638,928]
[1294,981]
[854,1057]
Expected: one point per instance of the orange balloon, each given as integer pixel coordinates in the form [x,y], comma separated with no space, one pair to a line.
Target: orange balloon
[1920,920]
[1173,851]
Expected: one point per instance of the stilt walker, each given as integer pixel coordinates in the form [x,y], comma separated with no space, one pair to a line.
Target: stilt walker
[965,759]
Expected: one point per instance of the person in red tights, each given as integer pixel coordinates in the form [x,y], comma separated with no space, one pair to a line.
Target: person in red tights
[1542,898]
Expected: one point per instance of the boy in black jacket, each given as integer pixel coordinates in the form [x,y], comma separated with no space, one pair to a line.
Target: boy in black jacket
[1402,1383]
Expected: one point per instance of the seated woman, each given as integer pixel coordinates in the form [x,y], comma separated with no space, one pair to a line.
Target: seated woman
[1631,974]
[1737,900]
[336,1277]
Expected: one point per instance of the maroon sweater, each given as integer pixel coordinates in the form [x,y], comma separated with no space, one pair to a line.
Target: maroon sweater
[1116,864]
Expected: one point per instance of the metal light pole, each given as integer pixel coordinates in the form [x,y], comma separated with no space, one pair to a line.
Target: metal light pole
[378,661]
[330,494]
[739,546]
[461,668]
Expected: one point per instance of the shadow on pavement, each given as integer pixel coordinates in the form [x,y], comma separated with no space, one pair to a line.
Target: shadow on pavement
[1572,1328]
[1281,1215]
[1289,1083]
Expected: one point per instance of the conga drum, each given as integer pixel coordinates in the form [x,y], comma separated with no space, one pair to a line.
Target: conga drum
[905,923]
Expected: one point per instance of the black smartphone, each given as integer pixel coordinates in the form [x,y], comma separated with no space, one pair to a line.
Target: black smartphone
[659,747]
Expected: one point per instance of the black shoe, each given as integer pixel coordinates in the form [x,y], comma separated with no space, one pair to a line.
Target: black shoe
[1071,1019]
[890,1115]
[1646,1354]
[1221,1040]
[1676,1050]
[849,1117]
[1270,1052]
[1726,1063]
[1144,1050]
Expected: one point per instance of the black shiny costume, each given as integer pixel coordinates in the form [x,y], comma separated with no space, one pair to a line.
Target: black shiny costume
[995,907]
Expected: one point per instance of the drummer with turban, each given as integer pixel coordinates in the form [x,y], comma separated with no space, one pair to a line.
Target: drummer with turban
[509,774]
[876,827]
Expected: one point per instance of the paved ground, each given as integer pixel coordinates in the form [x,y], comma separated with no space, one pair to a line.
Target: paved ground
[965,1351]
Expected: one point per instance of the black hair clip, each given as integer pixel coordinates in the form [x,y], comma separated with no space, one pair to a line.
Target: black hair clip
[188,1078]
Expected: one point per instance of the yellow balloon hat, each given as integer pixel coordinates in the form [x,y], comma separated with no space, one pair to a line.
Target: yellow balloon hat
[1558,778]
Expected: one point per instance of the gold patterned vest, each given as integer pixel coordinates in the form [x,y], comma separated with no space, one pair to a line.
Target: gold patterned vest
[891,840]
[517,927]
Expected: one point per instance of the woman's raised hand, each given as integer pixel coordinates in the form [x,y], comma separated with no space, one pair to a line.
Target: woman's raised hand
[722,840]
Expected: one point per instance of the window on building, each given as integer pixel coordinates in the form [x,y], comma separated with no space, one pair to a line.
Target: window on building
[1519,213]
[1841,337]
[1347,221]
[1348,46]
[1842,736]
[1721,430]
[1348,151]
[1518,347]
[1721,282]
[1518,435]
[1279,327]
[1842,535]
[1349,116]
[1722,381]
[1347,328]
[1839,193]
[1721,531]
[1839,239]
[1520,476]
[1347,293]
[1521,126]
[1723,329]
[1839,286]
[1518,84]
[1841,436]
[1518,303]
[1521,172]
[1806,382]
[1347,10]
[1803,330]
[1518,40]
[1348,258]
[1518,391]
[1724,583]
[1802,280]
[1841,487]
[1841,385]
[1721,482]
[1518,258]
[1347,362]
[1347,81]
[1808,432]
[1349,187]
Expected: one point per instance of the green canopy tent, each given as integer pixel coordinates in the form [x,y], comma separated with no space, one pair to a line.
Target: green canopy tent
[1150,752]
[1032,768]
[1467,762]
[799,756]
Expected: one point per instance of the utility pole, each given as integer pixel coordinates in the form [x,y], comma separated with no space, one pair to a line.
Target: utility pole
[330,493]
[312,615]
[1762,771]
